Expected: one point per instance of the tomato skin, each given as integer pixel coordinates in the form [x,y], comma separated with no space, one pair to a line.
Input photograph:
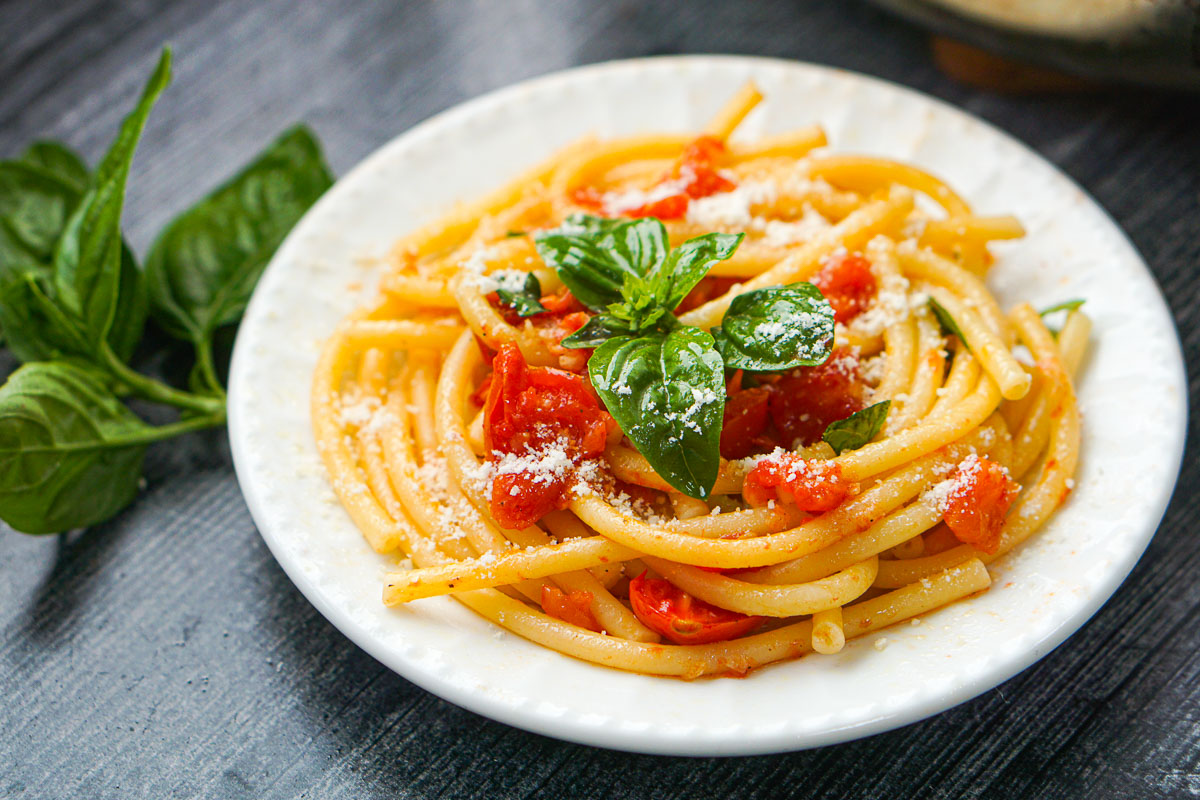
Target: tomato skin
[811,485]
[975,511]
[572,607]
[806,400]
[673,206]
[668,610]
[697,168]
[695,176]
[563,316]
[588,197]
[848,284]
[746,416]
[530,408]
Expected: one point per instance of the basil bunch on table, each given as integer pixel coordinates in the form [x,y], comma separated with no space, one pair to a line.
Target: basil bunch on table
[74,303]
[663,381]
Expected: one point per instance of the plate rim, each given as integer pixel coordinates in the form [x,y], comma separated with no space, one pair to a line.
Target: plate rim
[563,727]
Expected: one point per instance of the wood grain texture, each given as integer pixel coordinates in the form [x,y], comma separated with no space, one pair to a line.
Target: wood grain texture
[165,654]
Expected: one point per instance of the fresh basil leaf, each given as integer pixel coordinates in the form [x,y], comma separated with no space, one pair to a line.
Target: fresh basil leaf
[70,452]
[36,329]
[595,332]
[689,263]
[38,195]
[667,392]
[514,234]
[34,207]
[119,156]
[204,265]
[86,271]
[60,161]
[857,429]
[639,246]
[527,300]
[133,306]
[949,326]
[597,258]
[86,274]
[776,328]
[1066,305]
[639,311]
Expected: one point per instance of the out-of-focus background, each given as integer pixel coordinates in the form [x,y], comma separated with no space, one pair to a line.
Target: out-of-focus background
[165,654]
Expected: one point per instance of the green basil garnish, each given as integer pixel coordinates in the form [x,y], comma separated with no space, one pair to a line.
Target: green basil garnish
[70,452]
[857,429]
[776,328]
[73,304]
[949,326]
[595,332]
[667,392]
[1066,305]
[595,262]
[662,380]
[527,300]
[204,265]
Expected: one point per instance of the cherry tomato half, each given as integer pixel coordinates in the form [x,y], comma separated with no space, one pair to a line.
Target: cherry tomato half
[666,609]
[806,400]
[811,485]
[848,284]
[976,509]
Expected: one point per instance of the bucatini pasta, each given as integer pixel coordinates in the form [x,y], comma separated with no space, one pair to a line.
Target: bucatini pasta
[688,405]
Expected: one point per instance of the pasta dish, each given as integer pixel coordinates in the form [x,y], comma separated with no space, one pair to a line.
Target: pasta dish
[689,405]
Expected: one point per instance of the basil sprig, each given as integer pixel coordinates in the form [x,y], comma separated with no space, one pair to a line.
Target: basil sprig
[661,380]
[203,266]
[667,391]
[857,429]
[527,300]
[776,328]
[73,305]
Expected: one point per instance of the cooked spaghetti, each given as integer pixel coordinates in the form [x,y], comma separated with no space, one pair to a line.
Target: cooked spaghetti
[687,405]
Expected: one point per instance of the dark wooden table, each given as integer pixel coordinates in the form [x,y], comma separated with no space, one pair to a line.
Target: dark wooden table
[165,654]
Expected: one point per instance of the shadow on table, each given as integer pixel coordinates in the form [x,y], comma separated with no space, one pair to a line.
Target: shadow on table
[79,561]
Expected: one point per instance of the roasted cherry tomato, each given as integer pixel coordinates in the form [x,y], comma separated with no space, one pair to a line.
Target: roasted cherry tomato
[806,400]
[563,316]
[695,176]
[673,206]
[744,423]
[666,609]
[533,409]
[810,484]
[848,284]
[698,170]
[572,607]
[982,495]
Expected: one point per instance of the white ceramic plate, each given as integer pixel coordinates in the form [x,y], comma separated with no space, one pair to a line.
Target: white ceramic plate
[1132,395]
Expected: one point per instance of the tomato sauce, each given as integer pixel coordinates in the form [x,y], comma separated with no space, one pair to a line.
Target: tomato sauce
[806,400]
[538,412]
[695,176]
[848,284]
[563,316]
[571,607]
[976,509]
[811,485]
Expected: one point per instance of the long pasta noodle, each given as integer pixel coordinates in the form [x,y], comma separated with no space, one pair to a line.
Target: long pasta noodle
[620,566]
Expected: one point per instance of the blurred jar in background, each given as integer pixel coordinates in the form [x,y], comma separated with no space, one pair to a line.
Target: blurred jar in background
[1148,42]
